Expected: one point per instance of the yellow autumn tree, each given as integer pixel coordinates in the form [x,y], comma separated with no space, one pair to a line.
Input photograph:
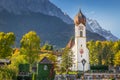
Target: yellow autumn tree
[117,59]
[30,45]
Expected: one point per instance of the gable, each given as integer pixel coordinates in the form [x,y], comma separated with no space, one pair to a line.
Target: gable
[45,60]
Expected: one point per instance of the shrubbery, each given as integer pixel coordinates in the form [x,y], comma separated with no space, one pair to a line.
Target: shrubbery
[99,67]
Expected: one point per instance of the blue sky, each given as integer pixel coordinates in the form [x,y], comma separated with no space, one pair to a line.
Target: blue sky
[106,12]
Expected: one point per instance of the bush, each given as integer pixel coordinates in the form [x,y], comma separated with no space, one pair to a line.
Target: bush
[99,67]
[7,73]
[24,77]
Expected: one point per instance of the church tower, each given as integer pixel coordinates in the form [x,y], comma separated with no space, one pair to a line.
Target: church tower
[80,51]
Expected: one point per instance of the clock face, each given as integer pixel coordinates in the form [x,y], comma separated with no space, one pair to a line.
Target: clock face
[80,27]
[81,51]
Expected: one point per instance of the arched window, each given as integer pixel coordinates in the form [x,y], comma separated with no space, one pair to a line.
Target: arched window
[81,45]
[45,67]
[81,33]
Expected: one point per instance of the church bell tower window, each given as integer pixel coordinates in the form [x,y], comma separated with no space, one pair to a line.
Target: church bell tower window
[81,33]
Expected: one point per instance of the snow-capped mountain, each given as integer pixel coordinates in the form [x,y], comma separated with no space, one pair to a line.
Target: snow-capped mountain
[93,26]
[39,6]
[45,7]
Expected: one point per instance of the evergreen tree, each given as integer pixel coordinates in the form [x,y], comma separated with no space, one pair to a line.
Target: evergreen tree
[67,59]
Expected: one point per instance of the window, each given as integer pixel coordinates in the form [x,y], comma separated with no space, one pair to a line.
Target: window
[80,27]
[81,33]
[45,67]
[81,45]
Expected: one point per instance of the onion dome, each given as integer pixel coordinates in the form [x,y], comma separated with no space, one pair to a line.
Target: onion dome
[79,18]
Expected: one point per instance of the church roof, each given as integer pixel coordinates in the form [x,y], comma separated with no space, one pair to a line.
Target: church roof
[71,43]
[79,18]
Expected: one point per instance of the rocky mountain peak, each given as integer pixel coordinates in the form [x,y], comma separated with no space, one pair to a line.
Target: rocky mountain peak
[45,7]
[40,6]
[95,27]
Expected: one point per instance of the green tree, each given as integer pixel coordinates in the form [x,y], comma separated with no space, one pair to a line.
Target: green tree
[30,45]
[7,40]
[117,59]
[47,46]
[67,59]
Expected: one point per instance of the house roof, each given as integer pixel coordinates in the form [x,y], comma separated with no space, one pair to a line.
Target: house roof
[45,60]
[4,61]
